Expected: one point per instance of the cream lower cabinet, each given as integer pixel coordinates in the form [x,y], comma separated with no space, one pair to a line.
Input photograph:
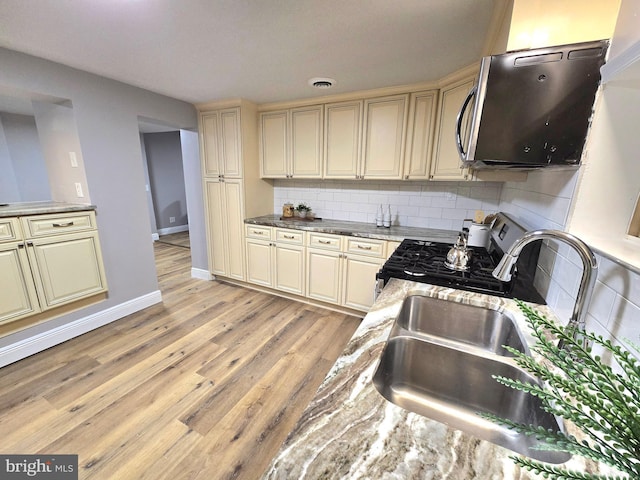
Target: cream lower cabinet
[225,221]
[17,290]
[342,270]
[45,266]
[275,258]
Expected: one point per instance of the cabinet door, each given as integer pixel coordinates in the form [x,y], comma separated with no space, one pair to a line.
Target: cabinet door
[216,228]
[384,136]
[306,142]
[231,149]
[17,291]
[259,262]
[359,281]
[420,131]
[209,141]
[323,275]
[234,223]
[274,140]
[446,164]
[343,127]
[289,268]
[66,268]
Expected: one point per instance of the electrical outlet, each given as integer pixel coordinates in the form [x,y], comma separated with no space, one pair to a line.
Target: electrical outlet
[172,219]
[79,190]
[73,159]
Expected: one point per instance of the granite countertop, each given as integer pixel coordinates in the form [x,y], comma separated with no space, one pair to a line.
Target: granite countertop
[349,431]
[357,229]
[38,208]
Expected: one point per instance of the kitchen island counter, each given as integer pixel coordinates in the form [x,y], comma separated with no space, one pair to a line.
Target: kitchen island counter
[349,431]
[357,229]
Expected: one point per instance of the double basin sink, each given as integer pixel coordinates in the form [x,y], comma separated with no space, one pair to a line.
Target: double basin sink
[439,362]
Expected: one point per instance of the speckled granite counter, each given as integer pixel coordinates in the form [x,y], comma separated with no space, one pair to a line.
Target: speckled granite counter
[38,208]
[357,229]
[349,431]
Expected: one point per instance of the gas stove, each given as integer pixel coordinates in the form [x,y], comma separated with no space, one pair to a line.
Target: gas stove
[424,262]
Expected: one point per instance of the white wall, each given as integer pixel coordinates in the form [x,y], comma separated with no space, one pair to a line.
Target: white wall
[543,202]
[417,204]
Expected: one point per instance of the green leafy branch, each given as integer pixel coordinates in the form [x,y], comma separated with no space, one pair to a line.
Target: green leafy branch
[580,388]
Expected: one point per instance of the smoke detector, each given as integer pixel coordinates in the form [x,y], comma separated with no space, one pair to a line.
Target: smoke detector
[322,83]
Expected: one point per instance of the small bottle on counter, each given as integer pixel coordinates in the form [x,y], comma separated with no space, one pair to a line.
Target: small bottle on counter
[386,220]
[287,210]
[379,217]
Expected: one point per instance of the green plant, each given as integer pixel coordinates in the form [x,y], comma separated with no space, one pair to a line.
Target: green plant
[303,207]
[602,404]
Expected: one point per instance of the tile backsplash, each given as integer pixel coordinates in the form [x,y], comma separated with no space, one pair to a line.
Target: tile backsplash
[441,205]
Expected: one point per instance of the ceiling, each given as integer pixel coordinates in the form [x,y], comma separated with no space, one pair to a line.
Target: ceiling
[261,50]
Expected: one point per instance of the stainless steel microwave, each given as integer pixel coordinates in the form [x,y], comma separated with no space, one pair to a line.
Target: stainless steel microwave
[531,108]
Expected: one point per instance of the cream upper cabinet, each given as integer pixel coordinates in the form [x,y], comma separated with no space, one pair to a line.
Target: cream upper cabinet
[221,148]
[420,133]
[343,128]
[209,144]
[291,143]
[384,137]
[274,144]
[307,128]
[446,163]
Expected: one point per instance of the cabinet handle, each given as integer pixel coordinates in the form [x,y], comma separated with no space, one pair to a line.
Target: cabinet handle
[30,244]
[325,242]
[21,245]
[364,247]
[290,237]
[257,232]
[68,224]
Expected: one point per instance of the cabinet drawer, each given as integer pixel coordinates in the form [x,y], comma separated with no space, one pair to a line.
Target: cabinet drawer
[259,231]
[44,225]
[286,235]
[10,230]
[325,241]
[365,246]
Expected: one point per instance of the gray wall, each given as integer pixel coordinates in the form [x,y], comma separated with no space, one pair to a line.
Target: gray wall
[195,199]
[8,185]
[164,160]
[106,114]
[59,138]
[29,170]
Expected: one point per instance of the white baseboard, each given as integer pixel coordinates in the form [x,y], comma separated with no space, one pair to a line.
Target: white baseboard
[169,230]
[201,274]
[24,348]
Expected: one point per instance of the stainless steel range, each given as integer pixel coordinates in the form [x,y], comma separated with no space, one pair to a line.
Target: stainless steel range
[426,262]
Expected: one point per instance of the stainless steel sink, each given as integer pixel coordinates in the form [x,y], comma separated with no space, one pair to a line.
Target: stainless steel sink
[475,326]
[439,361]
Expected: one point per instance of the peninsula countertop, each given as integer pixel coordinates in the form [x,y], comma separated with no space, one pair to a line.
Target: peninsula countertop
[357,229]
[20,209]
[349,431]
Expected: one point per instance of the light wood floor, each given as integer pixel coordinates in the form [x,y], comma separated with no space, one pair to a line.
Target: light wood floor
[206,385]
[180,239]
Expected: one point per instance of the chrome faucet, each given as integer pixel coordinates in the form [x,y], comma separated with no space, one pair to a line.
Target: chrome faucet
[577,322]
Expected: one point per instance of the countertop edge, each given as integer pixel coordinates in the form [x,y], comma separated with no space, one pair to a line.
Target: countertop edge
[40,208]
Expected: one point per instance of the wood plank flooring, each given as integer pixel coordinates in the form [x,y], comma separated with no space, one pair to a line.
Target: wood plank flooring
[205,385]
[180,239]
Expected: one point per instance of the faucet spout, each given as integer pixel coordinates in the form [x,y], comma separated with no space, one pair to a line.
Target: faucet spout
[504,269]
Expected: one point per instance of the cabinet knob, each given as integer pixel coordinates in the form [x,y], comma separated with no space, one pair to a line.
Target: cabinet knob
[406,177]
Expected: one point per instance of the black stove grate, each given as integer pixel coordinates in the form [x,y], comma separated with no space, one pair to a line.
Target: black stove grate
[425,262]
